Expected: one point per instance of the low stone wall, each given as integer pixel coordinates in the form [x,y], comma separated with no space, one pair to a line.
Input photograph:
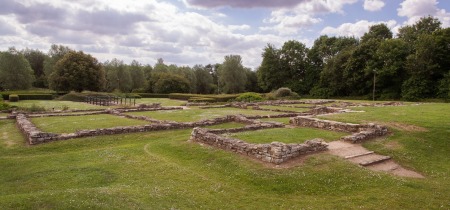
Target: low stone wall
[196,104]
[274,152]
[360,132]
[66,115]
[256,107]
[152,105]
[214,107]
[353,104]
[31,132]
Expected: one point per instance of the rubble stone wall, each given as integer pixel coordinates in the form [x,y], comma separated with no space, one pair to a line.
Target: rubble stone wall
[152,105]
[274,152]
[214,107]
[360,132]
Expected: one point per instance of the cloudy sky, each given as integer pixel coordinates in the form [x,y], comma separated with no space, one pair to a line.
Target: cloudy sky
[189,32]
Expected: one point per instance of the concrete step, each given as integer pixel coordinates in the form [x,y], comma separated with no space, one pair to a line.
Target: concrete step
[365,158]
[379,160]
[358,155]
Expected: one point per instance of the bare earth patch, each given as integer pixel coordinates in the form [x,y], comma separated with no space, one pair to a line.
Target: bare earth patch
[402,126]
[393,145]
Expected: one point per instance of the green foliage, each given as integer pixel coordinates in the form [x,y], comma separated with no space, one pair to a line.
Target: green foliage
[201,99]
[137,75]
[379,31]
[36,60]
[15,71]
[35,96]
[33,108]
[416,88]
[4,105]
[55,54]
[283,92]
[249,97]
[204,79]
[218,98]
[232,75]
[138,90]
[169,83]
[117,74]
[320,92]
[77,71]
[153,95]
[13,98]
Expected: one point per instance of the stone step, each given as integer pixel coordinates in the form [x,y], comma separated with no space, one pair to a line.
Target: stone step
[365,158]
[358,155]
[379,160]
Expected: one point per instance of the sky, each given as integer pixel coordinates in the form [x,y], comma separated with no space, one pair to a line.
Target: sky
[189,32]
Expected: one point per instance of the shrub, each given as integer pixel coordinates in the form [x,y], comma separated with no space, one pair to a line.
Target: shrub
[294,96]
[249,97]
[138,90]
[13,98]
[4,106]
[322,93]
[1,98]
[199,99]
[283,92]
[33,108]
[35,96]
[153,95]
[65,107]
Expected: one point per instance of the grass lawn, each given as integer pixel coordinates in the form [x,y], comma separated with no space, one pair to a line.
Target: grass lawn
[4,114]
[73,123]
[284,120]
[48,104]
[286,135]
[226,126]
[63,113]
[191,115]
[160,170]
[163,101]
[286,108]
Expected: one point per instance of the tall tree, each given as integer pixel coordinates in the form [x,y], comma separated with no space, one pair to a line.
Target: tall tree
[15,71]
[116,69]
[293,61]
[147,69]
[204,79]
[55,54]
[269,74]
[77,71]
[137,75]
[232,74]
[379,31]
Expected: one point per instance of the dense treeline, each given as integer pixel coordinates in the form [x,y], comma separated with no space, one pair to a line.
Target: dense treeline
[413,65]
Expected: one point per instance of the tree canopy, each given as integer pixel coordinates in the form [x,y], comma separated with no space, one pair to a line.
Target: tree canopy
[15,71]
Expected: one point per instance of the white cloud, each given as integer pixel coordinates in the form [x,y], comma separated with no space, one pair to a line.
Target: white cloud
[289,24]
[355,29]
[238,27]
[415,9]
[373,5]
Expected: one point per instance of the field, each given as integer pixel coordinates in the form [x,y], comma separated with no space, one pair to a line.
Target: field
[162,170]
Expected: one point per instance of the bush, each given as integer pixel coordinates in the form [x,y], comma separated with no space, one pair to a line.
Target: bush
[35,96]
[294,96]
[4,106]
[33,108]
[1,98]
[323,93]
[13,98]
[138,90]
[199,99]
[153,95]
[283,92]
[217,98]
[249,97]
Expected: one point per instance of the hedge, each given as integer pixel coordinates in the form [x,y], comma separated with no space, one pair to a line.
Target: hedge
[20,93]
[152,95]
[35,96]
[198,99]
[217,98]
[13,98]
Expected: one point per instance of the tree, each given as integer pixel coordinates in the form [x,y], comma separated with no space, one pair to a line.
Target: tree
[293,61]
[137,75]
[252,81]
[410,33]
[232,74]
[36,59]
[147,69]
[379,31]
[189,74]
[116,69]
[15,71]
[55,54]
[204,79]
[169,83]
[269,74]
[77,71]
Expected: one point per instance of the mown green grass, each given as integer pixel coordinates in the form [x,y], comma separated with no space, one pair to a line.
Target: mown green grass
[50,104]
[286,108]
[284,120]
[62,113]
[4,114]
[226,126]
[286,135]
[161,170]
[163,101]
[70,124]
[191,115]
